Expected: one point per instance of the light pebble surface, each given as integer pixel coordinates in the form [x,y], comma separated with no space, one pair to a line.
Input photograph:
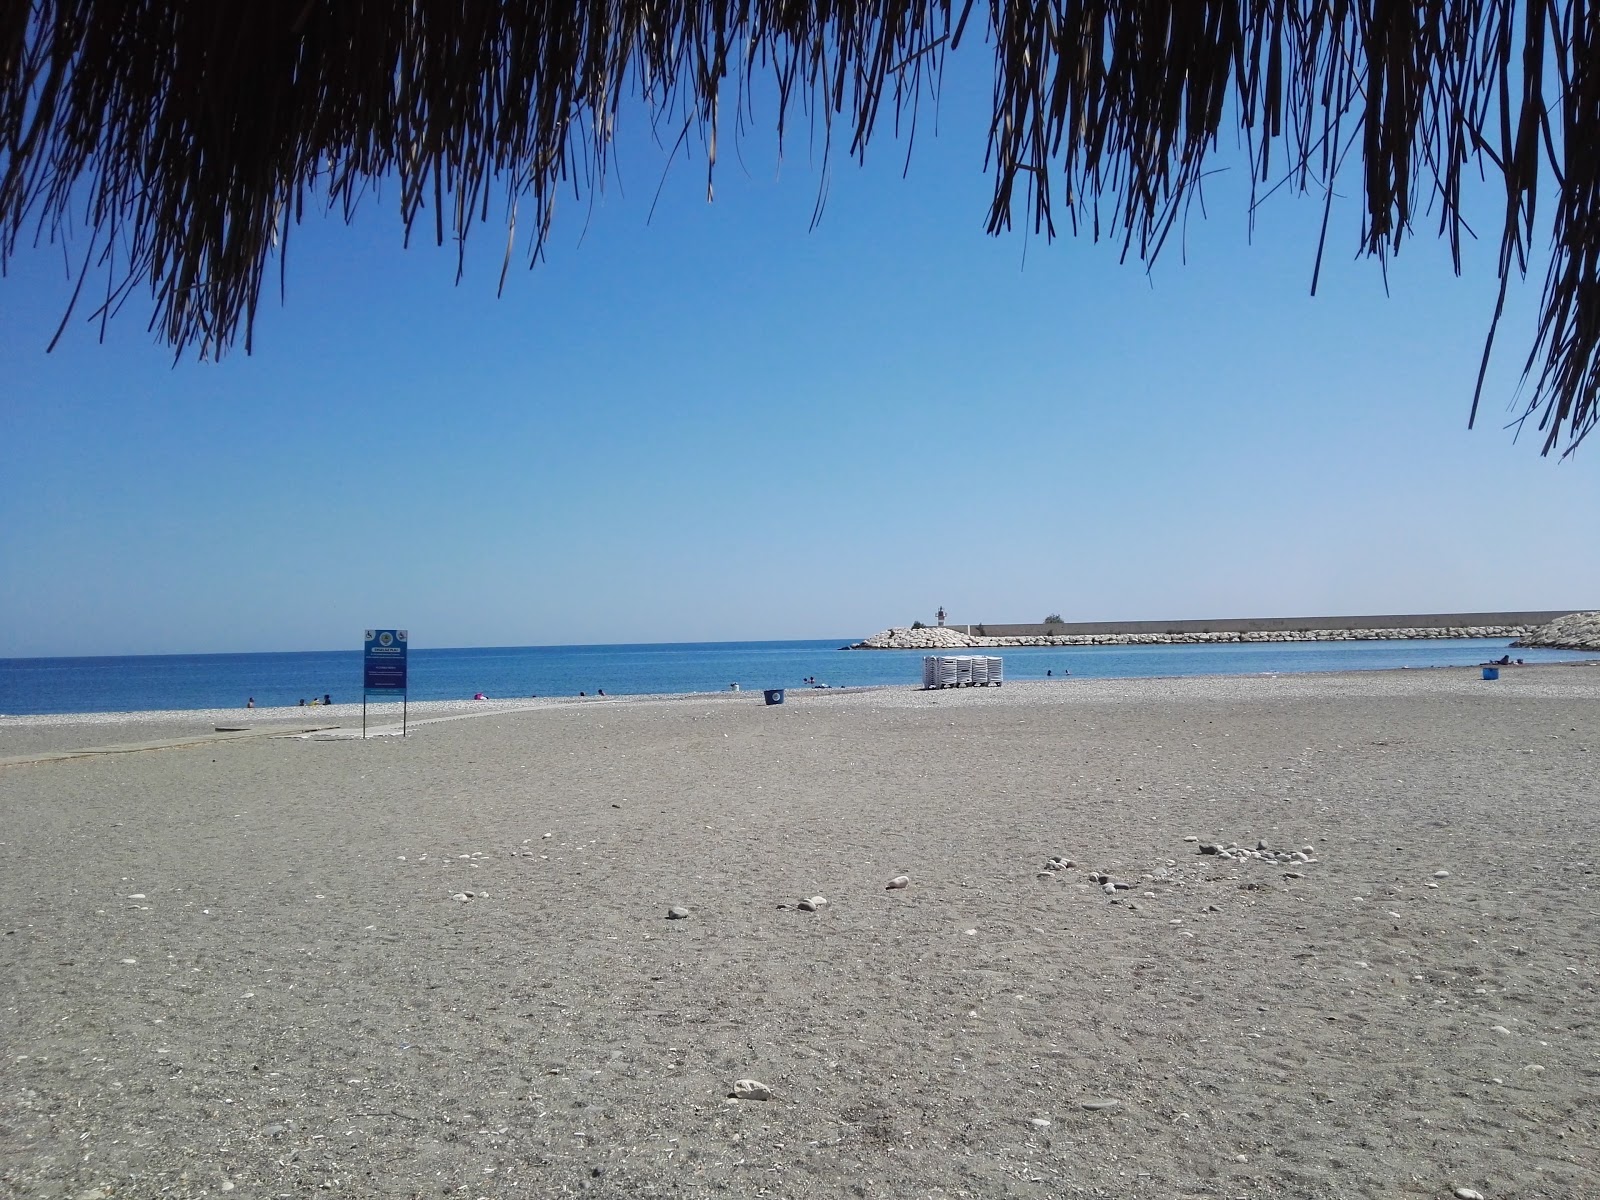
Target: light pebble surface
[245,950]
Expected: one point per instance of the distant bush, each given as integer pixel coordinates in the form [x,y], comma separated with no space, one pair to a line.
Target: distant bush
[1054,619]
[918,625]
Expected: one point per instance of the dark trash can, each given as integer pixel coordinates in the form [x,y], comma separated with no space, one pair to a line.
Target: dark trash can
[774,695]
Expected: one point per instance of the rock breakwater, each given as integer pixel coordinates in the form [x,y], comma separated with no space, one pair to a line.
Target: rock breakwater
[1576,631]
[945,638]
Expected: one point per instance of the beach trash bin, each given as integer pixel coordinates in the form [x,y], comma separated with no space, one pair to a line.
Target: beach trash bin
[1491,672]
[774,695]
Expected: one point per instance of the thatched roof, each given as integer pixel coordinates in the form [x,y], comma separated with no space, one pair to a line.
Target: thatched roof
[189,135]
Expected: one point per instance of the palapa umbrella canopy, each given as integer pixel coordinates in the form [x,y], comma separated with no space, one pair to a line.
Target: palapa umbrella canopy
[188,136]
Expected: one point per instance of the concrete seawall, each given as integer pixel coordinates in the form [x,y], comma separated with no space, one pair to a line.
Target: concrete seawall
[1268,624]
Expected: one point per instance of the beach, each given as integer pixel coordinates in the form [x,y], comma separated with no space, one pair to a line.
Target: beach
[272,966]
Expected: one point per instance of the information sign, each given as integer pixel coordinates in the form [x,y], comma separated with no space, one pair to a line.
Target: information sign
[384,665]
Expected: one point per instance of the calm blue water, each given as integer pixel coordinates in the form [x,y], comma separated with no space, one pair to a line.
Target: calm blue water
[187,681]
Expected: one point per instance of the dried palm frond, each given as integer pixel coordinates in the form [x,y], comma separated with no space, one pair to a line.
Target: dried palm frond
[189,136]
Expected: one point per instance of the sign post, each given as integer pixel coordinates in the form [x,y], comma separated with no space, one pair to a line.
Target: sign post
[383,671]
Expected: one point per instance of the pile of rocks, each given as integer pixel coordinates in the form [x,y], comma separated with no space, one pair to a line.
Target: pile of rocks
[935,638]
[1261,852]
[1576,631]
[944,638]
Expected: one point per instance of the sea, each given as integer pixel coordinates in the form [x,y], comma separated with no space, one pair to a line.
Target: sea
[202,681]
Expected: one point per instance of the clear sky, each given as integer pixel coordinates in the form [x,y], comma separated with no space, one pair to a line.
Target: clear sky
[715,423]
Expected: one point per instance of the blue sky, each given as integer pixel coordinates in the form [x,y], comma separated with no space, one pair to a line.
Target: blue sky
[717,423]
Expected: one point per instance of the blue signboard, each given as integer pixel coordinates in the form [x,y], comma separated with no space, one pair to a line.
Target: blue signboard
[384,665]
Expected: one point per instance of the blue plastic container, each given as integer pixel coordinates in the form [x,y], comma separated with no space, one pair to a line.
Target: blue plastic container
[774,695]
[1488,673]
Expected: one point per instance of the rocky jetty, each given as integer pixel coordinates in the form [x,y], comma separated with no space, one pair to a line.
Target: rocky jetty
[927,638]
[1576,631]
[945,638]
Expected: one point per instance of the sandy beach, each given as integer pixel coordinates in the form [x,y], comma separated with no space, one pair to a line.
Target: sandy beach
[284,966]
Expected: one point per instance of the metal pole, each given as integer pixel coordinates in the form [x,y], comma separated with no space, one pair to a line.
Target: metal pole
[363,714]
[405,700]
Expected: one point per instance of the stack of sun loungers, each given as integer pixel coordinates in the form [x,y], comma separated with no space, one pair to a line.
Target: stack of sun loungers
[961,670]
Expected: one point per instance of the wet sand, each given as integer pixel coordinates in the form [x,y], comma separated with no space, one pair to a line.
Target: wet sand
[241,965]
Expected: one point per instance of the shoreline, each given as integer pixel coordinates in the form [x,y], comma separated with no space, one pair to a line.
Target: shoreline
[379,710]
[26,738]
[427,709]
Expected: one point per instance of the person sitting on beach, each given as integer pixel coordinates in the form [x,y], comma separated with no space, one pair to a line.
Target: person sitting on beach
[479,696]
[250,703]
[327,697]
[601,692]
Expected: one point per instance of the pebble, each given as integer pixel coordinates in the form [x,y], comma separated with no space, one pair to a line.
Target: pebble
[751,1089]
[1109,889]
[1210,848]
[1499,1029]
[1466,1193]
[1039,1122]
[812,903]
[677,913]
[1191,838]
[461,896]
[1100,1105]
[899,881]
[1443,875]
